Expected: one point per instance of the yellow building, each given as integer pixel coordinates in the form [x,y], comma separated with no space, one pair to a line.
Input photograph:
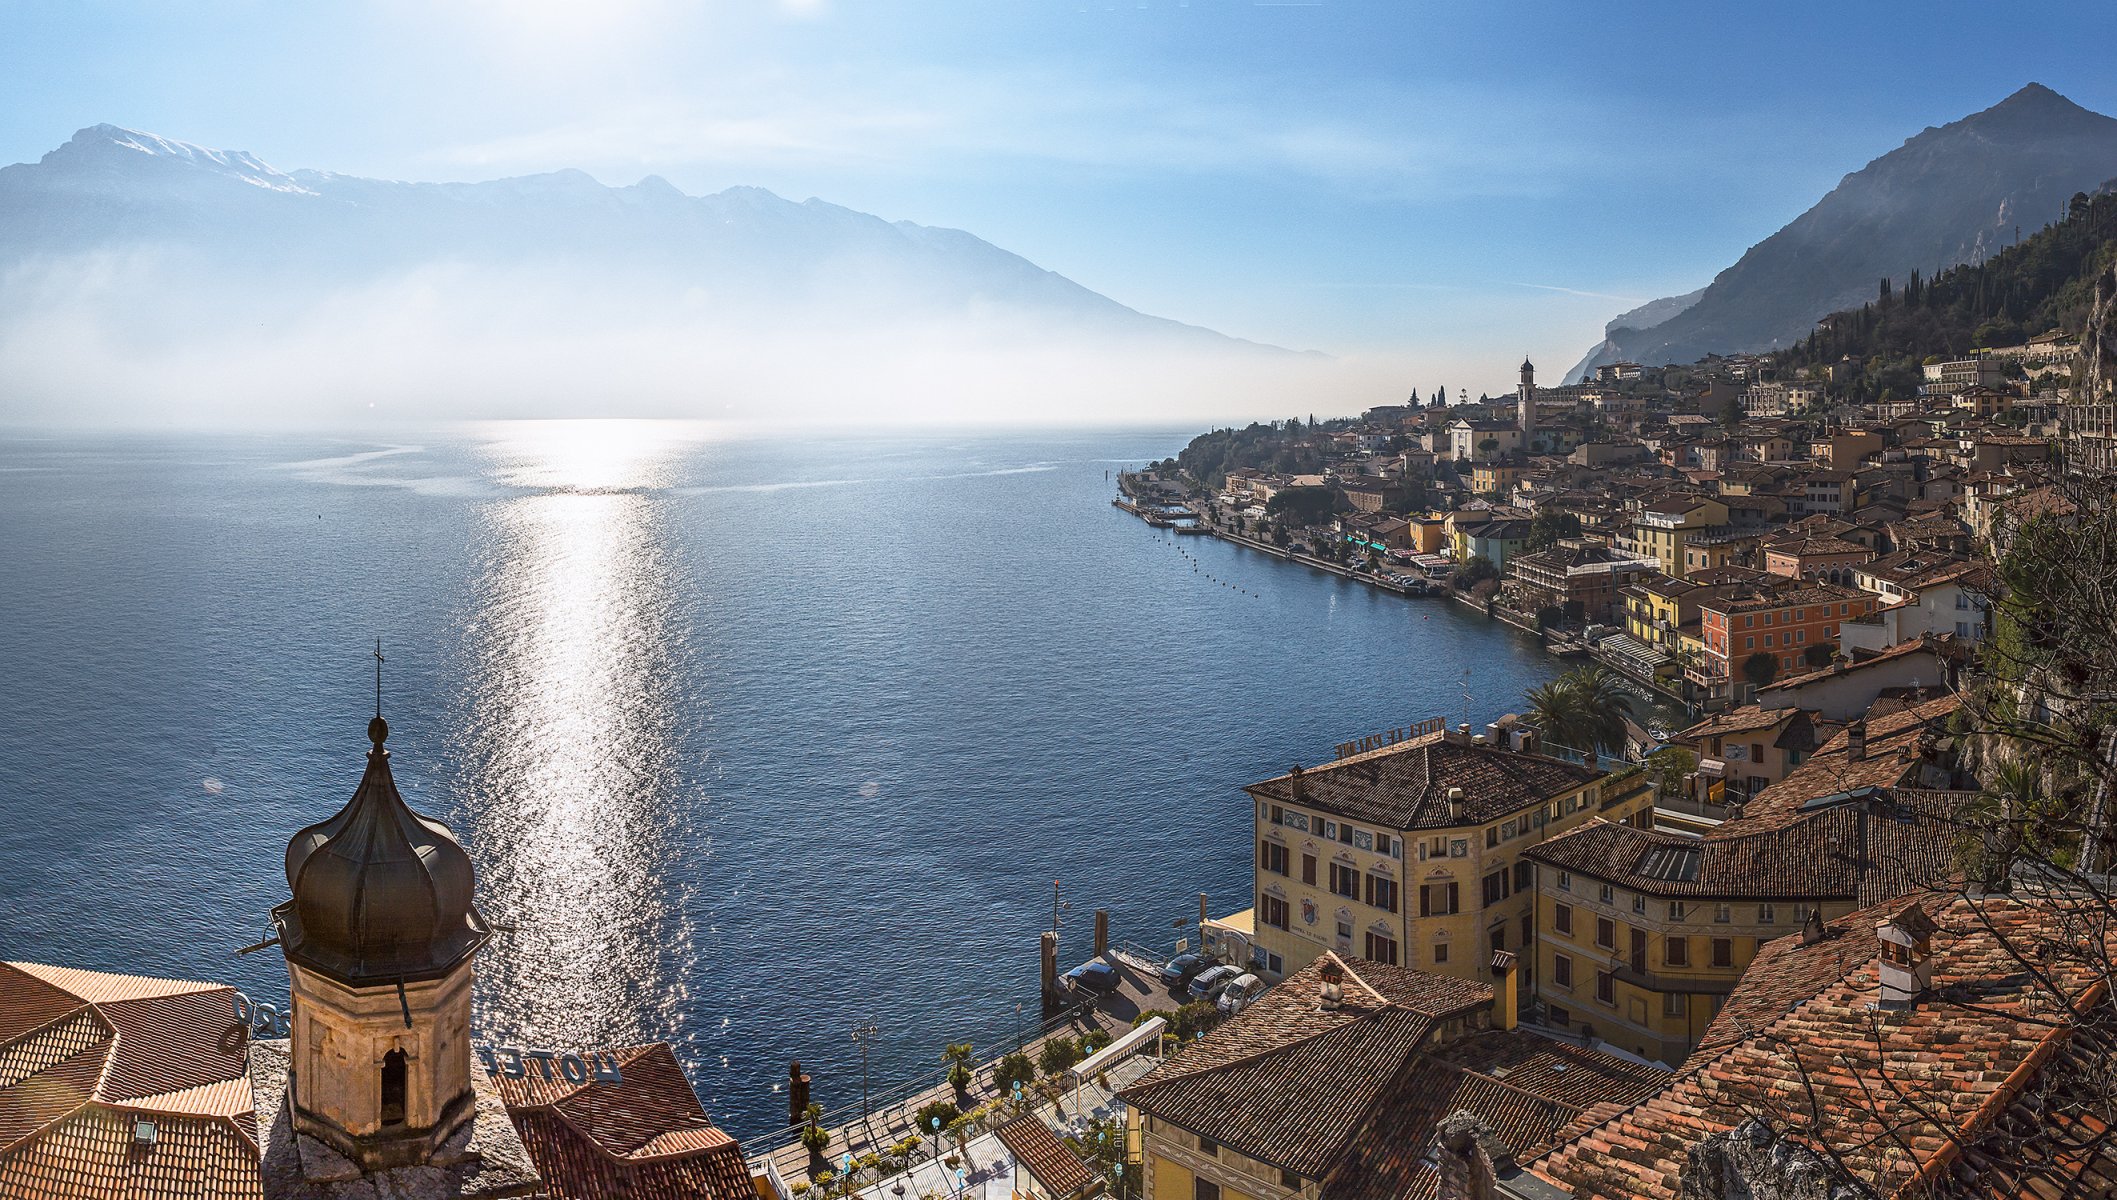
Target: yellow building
[1657,609]
[1663,529]
[1412,854]
[1429,534]
[1704,552]
[1641,934]
[1493,478]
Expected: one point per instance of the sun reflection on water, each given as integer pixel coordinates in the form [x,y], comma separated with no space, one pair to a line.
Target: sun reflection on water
[573,735]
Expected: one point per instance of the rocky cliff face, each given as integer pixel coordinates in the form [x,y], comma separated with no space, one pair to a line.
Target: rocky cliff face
[2096,373]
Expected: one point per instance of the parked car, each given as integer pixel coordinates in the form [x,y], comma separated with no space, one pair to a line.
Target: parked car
[1210,981]
[1237,994]
[1095,976]
[1179,971]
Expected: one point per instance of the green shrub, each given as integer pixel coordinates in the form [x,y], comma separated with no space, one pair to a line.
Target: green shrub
[944,1109]
[1059,1053]
[1014,1068]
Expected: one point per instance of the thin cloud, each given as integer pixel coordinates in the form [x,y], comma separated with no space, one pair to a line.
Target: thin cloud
[956,124]
[1552,287]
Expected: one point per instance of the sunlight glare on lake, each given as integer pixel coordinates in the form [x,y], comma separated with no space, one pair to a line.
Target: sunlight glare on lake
[574,738]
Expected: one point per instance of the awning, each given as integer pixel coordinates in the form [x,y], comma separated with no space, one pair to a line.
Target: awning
[1147,1033]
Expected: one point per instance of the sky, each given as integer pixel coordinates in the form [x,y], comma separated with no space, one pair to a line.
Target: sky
[1444,187]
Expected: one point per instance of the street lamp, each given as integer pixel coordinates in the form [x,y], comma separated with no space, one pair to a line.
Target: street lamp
[863,1034]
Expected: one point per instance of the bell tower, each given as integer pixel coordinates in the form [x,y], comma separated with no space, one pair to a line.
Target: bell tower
[379,938]
[1526,399]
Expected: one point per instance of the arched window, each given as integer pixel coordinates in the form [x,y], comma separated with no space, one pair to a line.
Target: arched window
[393,1088]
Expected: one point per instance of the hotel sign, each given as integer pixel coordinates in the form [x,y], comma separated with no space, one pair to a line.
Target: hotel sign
[515,1062]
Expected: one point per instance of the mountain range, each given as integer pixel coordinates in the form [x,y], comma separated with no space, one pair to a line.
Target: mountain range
[1948,195]
[123,244]
[109,188]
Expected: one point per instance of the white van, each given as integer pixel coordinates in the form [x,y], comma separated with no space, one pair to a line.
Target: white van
[1237,996]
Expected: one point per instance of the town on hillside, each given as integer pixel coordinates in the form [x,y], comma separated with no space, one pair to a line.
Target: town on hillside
[1795,884]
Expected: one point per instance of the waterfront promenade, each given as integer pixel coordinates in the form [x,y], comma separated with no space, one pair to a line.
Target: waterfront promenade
[892,1116]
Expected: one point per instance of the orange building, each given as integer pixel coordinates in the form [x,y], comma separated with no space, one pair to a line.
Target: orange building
[1796,624]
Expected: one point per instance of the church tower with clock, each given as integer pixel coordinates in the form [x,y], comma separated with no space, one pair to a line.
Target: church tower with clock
[379,937]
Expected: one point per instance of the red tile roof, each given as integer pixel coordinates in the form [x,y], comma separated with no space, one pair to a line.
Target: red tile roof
[647,1138]
[1288,1081]
[1893,1096]
[1059,1170]
[1405,786]
[1910,840]
[84,1055]
[1895,743]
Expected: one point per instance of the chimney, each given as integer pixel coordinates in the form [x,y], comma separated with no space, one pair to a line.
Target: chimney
[1906,964]
[1504,1001]
[1202,919]
[1856,741]
[1455,805]
[1589,758]
[1330,996]
[1293,781]
[1102,932]
[1812,928]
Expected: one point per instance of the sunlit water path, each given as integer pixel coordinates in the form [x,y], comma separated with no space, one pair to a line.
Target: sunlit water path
[753,740]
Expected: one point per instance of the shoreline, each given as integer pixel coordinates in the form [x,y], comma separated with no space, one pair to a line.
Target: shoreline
[1525,626]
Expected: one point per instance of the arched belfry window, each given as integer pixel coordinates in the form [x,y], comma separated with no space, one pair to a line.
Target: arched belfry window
[393,1088]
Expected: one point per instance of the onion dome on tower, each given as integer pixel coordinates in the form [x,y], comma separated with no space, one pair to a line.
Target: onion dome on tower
[382,895]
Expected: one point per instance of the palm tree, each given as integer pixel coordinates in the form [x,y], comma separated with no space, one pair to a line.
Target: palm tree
[1552,709]
[1582,710]
[1601,706]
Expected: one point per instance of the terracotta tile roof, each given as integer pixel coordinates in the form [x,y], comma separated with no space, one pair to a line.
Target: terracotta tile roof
[1291,1083]
[1891,758]
[1806,546]
[1747,719]
[1891,1095]
[1405,786]
[117,1049]
[1910,842]
[646,1138]
[103,987]
[1525,1088]
[91,1155]
[28,1004]
[1032,1144]
[1933,646]
[172,1043]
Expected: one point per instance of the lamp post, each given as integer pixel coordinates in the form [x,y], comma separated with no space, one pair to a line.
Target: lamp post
[863,1034]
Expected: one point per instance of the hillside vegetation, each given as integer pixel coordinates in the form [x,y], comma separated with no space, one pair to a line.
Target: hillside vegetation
[2044,283]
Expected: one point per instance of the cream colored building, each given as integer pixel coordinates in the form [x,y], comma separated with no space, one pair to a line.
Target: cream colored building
[1641,935]
[1411,854]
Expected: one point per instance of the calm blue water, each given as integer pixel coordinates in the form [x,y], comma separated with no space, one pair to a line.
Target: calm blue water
[753,740]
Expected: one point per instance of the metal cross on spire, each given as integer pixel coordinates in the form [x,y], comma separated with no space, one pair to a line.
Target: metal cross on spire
[378,676]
